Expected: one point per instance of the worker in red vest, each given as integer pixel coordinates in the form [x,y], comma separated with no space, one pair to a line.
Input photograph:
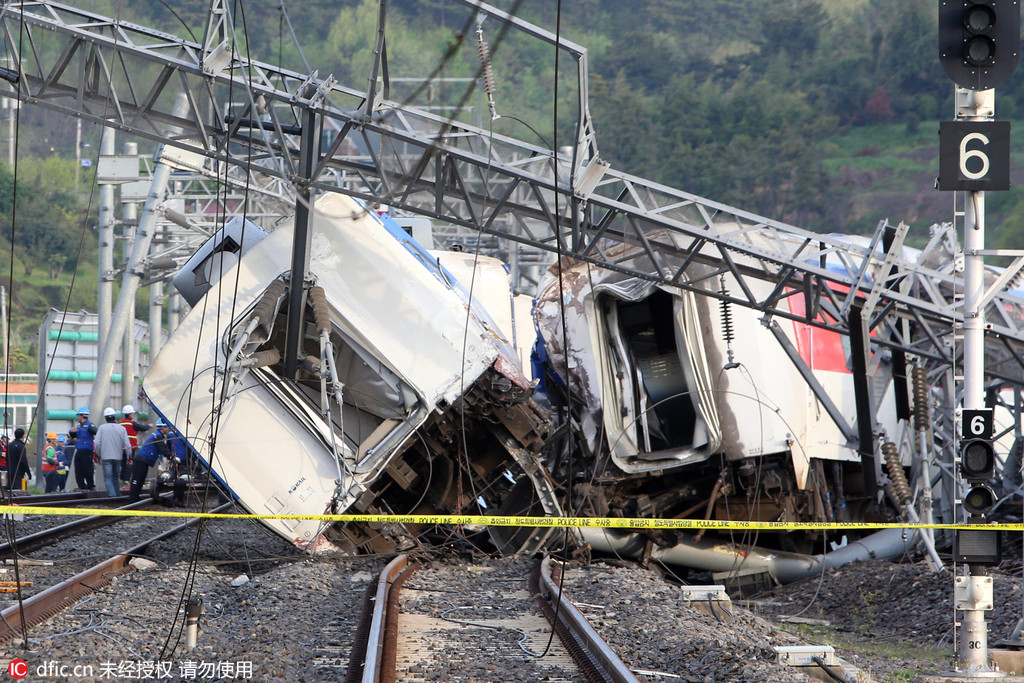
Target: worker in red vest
[134,429]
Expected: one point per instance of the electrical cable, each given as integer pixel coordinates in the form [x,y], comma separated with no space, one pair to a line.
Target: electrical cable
[295,39]
[828,670]
[189,583]
[571,465]
[8,520]
[78,259]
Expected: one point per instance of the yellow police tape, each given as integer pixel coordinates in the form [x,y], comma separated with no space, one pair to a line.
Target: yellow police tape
[487,520]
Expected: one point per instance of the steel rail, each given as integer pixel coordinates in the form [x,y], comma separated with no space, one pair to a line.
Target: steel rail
[45,604]
[594,657]
[373,654]
[64,498]
[43,538]
[378,664]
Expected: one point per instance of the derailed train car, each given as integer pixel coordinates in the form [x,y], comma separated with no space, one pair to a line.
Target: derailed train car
[664,402]
[683,405]
[408,399]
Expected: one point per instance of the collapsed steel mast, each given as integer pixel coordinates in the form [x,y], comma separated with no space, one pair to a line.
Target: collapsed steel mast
[255,117]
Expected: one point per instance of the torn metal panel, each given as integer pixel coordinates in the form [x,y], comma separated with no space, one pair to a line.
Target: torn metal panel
[680,394]
[409,398]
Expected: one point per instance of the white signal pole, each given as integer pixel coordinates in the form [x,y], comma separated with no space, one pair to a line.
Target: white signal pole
[973,592]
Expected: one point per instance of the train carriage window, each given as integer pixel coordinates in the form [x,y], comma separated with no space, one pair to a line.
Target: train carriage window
[378,407]
[666,416]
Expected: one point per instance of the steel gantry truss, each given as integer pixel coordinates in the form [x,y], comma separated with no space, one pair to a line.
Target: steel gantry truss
[252,116]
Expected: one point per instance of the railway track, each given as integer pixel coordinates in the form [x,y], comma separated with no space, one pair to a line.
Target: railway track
[48,602]
[72,498]
[42,551]
[41,539]
[294,617]
[507,622]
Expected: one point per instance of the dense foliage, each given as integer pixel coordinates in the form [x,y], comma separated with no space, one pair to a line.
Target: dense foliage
[822,113]
[44,238]
[736,100]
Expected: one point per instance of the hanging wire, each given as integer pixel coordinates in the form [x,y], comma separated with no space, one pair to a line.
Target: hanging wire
[286,19]
[8,519]
[571,466]
[189,585]
[8,493]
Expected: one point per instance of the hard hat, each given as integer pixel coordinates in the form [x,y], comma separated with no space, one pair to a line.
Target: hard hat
[51,435]
[107,412]
[61,438]
[128,409]
[84,410]
[161,423]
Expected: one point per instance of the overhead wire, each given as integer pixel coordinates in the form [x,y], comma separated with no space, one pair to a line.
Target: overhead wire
[11,534]
[462,448]
[189,400]
[8,493]
[188,586]
[295,40]
[571,466]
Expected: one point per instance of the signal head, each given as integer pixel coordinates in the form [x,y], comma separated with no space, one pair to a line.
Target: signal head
[977,460]
[979,41]
[979,500]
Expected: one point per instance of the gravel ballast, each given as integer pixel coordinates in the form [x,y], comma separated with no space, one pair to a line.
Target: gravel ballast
[270,613]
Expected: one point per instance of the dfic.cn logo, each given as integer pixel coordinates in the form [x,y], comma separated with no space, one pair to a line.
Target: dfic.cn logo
[18,668]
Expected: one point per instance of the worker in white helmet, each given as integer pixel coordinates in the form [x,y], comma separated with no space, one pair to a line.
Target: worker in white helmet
[111,445]
[134,429]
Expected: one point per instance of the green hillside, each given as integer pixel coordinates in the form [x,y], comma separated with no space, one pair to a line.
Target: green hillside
[823,114]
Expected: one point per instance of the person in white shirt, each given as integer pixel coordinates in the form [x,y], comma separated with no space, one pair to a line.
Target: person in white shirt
[111,444]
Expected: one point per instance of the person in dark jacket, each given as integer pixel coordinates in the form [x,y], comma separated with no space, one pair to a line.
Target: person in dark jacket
[65,456]
[156,446]
[134,430]
[84,435]
[17,460]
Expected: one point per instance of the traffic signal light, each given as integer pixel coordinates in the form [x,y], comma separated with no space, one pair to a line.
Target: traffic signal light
[977,466]
[979,41]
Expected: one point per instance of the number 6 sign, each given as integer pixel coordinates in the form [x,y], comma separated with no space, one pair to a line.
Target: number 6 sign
[977,424]
[974,155]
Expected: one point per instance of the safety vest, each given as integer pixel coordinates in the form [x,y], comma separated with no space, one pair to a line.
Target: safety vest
[133,436]
[49,459]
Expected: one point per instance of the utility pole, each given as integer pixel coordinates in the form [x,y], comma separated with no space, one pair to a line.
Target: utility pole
[3,321]
[132,274]
[105,294]
[978,49]
[156,314]
[11,105]
[130,213]
[78,153]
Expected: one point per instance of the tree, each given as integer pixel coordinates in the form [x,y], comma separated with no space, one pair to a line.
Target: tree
[878,108]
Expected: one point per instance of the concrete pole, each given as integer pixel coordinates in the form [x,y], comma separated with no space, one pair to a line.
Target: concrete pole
[3,320]
[105,295]
[132,274]
[130,212]
[78,153]
[173,311]
[156,314]
[12,121]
